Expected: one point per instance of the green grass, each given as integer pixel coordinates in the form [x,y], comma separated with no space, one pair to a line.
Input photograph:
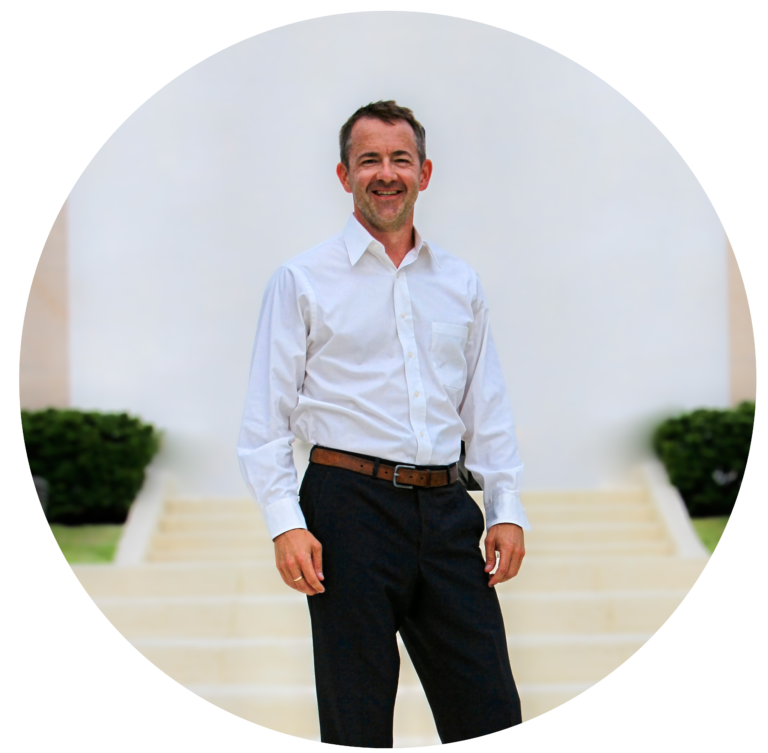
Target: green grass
[710,530]
[81,544]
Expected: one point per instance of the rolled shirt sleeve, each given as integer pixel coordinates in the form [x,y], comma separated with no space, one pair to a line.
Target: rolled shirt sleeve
[491,444]
[277,373]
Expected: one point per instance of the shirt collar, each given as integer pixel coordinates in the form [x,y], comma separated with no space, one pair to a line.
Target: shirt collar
[358,240]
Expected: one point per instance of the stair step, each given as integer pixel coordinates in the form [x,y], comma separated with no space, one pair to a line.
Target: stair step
[594,532]
[287,615]
[206,506]
[211,530]
[251,520]
[288,661]
[589,497]
[597,512]
[253,555]
[163,542]
[260,546]
[229,523]
[278,615]
[248,555]
[292,709]
[588,612]
[594,549]
[537,574]
[584,497]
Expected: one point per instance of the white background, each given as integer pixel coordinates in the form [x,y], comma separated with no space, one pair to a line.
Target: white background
[603,261]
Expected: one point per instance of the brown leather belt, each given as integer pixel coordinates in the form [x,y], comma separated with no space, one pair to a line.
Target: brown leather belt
[401,475]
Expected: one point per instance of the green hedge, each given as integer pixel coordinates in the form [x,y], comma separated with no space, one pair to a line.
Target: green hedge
[93,463]
[705,453]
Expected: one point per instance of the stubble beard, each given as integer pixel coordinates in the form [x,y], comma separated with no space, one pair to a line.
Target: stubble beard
[384,224]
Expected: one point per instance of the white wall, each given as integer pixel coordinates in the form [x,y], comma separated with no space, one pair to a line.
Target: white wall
[602,258]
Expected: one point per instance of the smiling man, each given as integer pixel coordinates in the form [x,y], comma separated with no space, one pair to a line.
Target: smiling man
[375,347]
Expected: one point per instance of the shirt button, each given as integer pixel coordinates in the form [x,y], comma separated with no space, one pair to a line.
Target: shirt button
[403,315]
[410,354]
[422,433]
[416,394]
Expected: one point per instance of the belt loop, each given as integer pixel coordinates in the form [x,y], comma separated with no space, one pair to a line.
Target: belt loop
[376,463]
[312,451]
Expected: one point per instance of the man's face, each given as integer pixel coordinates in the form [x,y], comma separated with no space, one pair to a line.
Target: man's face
[384,174]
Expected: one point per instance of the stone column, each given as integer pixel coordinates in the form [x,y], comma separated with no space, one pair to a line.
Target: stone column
[44,361]
[741,338]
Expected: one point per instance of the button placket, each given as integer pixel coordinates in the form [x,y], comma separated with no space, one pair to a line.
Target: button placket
[416,397]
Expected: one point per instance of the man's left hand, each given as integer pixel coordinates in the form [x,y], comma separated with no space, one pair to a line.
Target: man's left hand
[507,540]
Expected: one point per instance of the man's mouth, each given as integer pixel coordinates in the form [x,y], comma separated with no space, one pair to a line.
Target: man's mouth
[393,192]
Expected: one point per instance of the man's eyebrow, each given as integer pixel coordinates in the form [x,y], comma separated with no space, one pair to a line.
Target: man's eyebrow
[398,153]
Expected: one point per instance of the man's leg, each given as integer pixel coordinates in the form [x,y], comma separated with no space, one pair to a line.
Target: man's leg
[454,631]
[369,533]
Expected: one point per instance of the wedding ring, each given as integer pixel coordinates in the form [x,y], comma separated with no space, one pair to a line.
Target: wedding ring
[296,580]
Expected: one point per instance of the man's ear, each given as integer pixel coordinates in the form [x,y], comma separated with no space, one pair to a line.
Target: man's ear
[343,176]
[426,174]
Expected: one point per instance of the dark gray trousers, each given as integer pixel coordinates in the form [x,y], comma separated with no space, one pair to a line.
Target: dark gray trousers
[407,561]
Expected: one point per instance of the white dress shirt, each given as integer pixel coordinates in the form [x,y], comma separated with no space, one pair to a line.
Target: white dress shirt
[398,363]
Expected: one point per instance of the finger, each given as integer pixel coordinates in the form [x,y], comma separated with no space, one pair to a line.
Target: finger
[490,553]
[504,558]
[317,560]
[514,565]
[299,582]
[284,576]
[304,587]
[310,576]
[294,577]
[283,570]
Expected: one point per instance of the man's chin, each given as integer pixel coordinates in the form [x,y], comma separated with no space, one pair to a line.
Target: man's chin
[386,224]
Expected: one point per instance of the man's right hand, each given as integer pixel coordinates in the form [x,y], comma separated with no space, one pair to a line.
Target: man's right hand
[299,558]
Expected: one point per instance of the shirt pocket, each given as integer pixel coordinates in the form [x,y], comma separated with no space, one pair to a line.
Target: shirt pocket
[447,353]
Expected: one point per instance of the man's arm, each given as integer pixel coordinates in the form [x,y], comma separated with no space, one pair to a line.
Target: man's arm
[491,448]
[264,446]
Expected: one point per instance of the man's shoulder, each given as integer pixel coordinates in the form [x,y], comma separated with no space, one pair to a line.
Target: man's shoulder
[330,250]
[452,263]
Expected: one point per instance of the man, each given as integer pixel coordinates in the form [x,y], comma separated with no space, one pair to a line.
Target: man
[375,348]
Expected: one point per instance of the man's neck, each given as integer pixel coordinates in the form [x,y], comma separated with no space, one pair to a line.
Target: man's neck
[397,243]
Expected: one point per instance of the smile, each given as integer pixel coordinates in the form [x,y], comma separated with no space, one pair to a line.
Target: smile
[387,193]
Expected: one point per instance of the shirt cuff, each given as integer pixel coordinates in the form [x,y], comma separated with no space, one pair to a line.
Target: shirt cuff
[505,508]
[283,515]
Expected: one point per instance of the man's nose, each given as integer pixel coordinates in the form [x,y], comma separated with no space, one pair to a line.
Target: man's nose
[387,171]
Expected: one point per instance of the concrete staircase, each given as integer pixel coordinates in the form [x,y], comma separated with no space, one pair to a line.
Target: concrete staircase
[208,607]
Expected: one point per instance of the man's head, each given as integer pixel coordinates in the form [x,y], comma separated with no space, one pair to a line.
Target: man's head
[383,163]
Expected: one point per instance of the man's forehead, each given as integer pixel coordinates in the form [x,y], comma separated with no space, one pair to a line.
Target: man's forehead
[372,134]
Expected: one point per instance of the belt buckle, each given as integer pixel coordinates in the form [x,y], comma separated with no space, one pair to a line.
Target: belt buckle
[394,476]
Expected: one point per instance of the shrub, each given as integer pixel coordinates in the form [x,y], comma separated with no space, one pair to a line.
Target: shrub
[93,463]
[705,453]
